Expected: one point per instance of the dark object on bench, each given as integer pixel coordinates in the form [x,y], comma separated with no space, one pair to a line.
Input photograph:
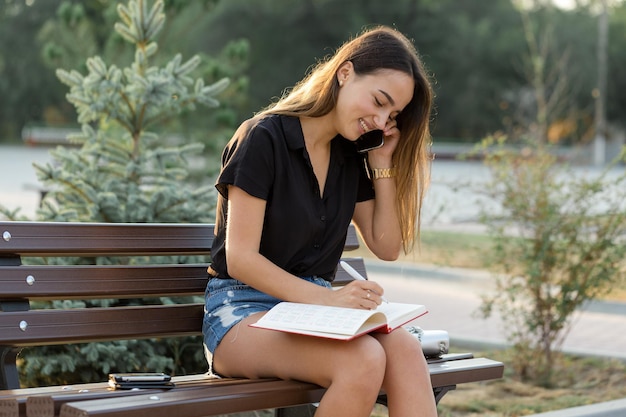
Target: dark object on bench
[194,395]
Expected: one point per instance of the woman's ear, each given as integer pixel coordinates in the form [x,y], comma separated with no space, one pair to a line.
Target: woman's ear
[344,72]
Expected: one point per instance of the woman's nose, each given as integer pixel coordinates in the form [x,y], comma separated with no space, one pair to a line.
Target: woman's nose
[381,120]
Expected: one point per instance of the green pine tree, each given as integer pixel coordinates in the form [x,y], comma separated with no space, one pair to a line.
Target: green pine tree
[124,171]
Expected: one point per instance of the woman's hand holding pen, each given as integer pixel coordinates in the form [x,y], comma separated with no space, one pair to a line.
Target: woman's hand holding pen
[359,293]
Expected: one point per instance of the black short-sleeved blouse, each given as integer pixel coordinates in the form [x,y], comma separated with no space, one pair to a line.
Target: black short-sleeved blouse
[303,233]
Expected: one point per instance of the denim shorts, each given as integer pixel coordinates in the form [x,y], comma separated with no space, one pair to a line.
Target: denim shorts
[227,302]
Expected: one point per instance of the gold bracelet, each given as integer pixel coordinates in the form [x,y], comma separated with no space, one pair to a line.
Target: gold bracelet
[378,173]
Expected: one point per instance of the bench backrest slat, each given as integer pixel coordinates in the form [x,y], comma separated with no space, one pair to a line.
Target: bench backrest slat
[36,327]
[99,239]
[92,282]
[72,282]
[90,239]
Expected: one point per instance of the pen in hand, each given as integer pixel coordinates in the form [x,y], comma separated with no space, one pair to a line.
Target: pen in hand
[354,274]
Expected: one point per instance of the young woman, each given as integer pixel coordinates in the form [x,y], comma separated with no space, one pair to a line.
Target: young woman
[290,184]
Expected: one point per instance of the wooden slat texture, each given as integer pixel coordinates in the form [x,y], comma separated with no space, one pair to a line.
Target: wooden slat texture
[205,399]
[90,281]
[464,371]
[202,400]
[46,327]
[9,407]
[468,370]
[84,239]
[100,390]
[90,239]
[86,282]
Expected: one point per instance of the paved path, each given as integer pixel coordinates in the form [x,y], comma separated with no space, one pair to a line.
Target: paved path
[452,296]
[18,181]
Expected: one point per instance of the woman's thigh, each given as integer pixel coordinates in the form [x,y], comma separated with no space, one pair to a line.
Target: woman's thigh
[258,353]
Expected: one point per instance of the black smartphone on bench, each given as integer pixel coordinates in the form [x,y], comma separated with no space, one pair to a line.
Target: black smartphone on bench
[140,380]
[373,139]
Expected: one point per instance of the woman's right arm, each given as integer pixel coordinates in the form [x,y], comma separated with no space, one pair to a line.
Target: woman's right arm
[245,263]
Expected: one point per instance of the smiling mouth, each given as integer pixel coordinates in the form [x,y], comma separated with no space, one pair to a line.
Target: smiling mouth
[364,126]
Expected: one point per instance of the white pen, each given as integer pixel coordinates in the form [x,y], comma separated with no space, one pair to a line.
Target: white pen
[354,274]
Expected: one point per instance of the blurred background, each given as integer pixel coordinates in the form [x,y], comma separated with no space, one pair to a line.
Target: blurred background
[546,69]
[477,52]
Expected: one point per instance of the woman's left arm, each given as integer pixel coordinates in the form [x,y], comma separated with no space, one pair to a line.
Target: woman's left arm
[377,220]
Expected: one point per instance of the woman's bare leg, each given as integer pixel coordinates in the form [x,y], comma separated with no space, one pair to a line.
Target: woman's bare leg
[352,371]
[407,379]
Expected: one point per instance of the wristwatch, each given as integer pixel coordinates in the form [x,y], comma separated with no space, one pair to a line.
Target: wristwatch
[378,173]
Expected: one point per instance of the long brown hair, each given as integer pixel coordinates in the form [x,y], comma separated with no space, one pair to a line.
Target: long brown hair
[373,50]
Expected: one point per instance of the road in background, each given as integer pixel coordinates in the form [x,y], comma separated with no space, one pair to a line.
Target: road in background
[445,207]
[19,186]
[450,203]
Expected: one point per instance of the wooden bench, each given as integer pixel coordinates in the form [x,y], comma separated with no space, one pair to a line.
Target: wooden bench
[194,395]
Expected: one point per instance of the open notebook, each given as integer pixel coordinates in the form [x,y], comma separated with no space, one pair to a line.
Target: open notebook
[338,322]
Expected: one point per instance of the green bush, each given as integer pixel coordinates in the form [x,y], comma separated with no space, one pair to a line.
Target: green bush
[559,242]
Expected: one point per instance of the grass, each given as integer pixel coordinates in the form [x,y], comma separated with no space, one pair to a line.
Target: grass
[446,249]
[452,249]
[461,250]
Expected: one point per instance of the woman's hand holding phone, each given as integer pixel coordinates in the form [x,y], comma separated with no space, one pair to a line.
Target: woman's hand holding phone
[373,139]
[382,157]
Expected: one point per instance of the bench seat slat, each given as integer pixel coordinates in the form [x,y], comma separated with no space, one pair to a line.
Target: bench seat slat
[202,398]
[100,390]
[81,393]
[464,371]
[99,324]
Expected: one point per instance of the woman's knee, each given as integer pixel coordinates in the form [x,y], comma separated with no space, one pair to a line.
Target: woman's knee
[401,343]
[409,344]
[363,363]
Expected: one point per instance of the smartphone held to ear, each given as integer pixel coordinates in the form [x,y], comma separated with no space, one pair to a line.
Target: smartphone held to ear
[373,139]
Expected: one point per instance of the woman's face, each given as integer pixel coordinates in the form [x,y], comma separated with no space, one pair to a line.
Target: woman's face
[369,102]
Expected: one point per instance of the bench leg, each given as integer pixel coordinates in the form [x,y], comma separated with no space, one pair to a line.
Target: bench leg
[9,377]
[441,391]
